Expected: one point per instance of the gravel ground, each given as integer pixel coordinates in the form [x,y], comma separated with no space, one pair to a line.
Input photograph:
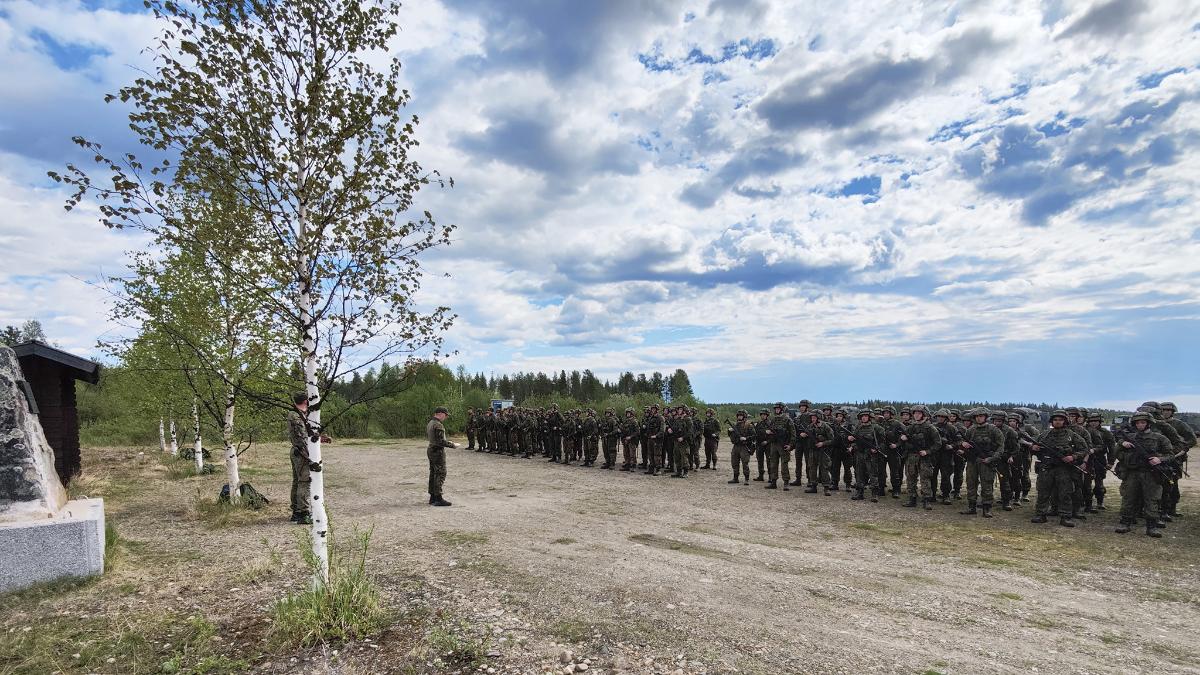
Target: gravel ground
[571,569]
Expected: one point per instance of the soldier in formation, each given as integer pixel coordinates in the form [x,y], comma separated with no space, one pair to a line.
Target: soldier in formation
[931,455]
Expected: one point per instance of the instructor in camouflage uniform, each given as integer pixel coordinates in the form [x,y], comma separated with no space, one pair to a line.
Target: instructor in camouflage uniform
[435,433]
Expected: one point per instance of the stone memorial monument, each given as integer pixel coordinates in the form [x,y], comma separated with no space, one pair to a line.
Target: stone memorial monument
[43,535]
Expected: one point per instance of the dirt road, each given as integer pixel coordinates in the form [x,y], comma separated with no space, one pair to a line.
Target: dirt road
[642,574]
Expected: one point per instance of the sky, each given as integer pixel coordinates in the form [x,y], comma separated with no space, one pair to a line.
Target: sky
[826,200]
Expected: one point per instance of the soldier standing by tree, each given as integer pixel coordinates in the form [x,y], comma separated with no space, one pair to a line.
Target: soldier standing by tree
[300,462]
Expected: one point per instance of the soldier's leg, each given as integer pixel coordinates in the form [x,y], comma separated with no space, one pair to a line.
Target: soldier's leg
[1076,493]
[1045,488]
[927,470]
[879,465]
[972,476]
[798,454]
[1088,486]
[1152,492]
[862,473]
[772,463]
[1005,485]
[987,484]
[960,465]
[848,467]
[912,470]
[812,470]
[896,469]
[760,452]
[301,481]
[785,460]
[1098,489]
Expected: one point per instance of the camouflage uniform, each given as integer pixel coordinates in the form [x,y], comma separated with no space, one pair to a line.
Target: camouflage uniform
[1142,466]
[924,444]
[803,443]
[301,480]
[435,433]
[1102,458]
[778,450]
[1006,467]
[892,429]
[630,431]
[1059,450]
[985,451]
[821,440]
[742,439]
[1183,440]
[712,437]
[590,430]
[946,454]
[866,446]
[610,431]
[655,428]
[841,463]
[762,441]
[681,433]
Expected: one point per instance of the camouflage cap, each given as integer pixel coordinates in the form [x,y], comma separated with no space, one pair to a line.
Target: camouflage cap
[999,413]
[814,413]
[1167,405]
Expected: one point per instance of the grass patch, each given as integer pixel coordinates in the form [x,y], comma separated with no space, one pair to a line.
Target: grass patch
[461,538]
[143,644]
[563,540]
[347,606]
[681,546]
[1043,622]
[216,514]
[1111,639]
[452,646]
[982,560]
[178,469]
[570,630]
[1009,596]
[261,568]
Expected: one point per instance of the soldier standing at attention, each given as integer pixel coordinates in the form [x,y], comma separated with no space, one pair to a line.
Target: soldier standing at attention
[946,454]
[1103,457]
[820,441]
[762,439]
[892,429]
[681,434]
[470,428]
[1187,441]
[924,444]
[1006,468]
[866,441]
[1141,488]
[654,426]
[841,463]
[712,437]
[298,434]
[802,443]
[630,430]
[555,424]
[982,447]
[435,433]
[741,436]
[779,454]
[1058,449]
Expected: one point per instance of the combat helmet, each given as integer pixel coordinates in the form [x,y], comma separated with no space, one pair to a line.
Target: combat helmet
[1167,405]
[921,408]
[742,413]
[889,409]
[1094,417]
[1059,413]
[764,411]
[1141,416]
[942,412]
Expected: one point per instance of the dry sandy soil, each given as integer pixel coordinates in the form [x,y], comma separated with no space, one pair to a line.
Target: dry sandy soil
[632,573]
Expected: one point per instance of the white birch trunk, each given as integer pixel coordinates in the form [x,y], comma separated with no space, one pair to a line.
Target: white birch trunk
[198,444]
[162,436]
[174,447]
[231,458]
[312,418]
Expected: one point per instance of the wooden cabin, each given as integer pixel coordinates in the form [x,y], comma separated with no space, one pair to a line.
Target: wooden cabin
[51,374]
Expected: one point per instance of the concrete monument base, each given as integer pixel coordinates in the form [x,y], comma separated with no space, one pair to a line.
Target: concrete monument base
[68,544]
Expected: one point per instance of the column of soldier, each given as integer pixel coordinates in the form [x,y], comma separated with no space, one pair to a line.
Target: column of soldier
[932,456]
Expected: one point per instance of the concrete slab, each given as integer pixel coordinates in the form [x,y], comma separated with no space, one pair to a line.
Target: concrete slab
[70,544]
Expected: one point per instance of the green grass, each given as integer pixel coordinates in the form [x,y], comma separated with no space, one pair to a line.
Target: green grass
[215,514]
[347,606]
[461,538]
[563,540]
[1009,596]
[452,646]
[1043,622]
[126,644]
[1111,639]
[871,527]
[570,630]
[262,568]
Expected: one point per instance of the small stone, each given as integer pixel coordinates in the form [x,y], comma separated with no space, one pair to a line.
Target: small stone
[582,667]
[111,659]
[491,670]
[566,656]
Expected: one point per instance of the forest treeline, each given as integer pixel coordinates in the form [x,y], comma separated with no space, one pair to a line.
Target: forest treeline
[395,402]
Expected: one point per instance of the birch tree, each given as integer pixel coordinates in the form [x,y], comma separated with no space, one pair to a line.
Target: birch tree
[280,103]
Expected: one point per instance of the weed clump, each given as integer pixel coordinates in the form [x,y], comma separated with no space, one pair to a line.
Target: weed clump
[345,607]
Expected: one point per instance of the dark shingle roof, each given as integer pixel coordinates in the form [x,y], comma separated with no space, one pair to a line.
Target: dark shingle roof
[88,371]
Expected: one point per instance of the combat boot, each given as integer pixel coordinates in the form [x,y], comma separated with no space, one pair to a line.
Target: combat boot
[927,503]
[759,479]
[945,500]
[677,474]
[912,501]
[970,510]
[1065,521]
[987,510]
[771,485]
[438,501]
[875,497]
[1165,518]
[1151,532]
[1039,518]
[1100,503]
[827,492]
[1089,508]
[811,489]
[1076,516]
[1124,527]
[1003,505]
[857,496]
[795,483]
[735,480]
